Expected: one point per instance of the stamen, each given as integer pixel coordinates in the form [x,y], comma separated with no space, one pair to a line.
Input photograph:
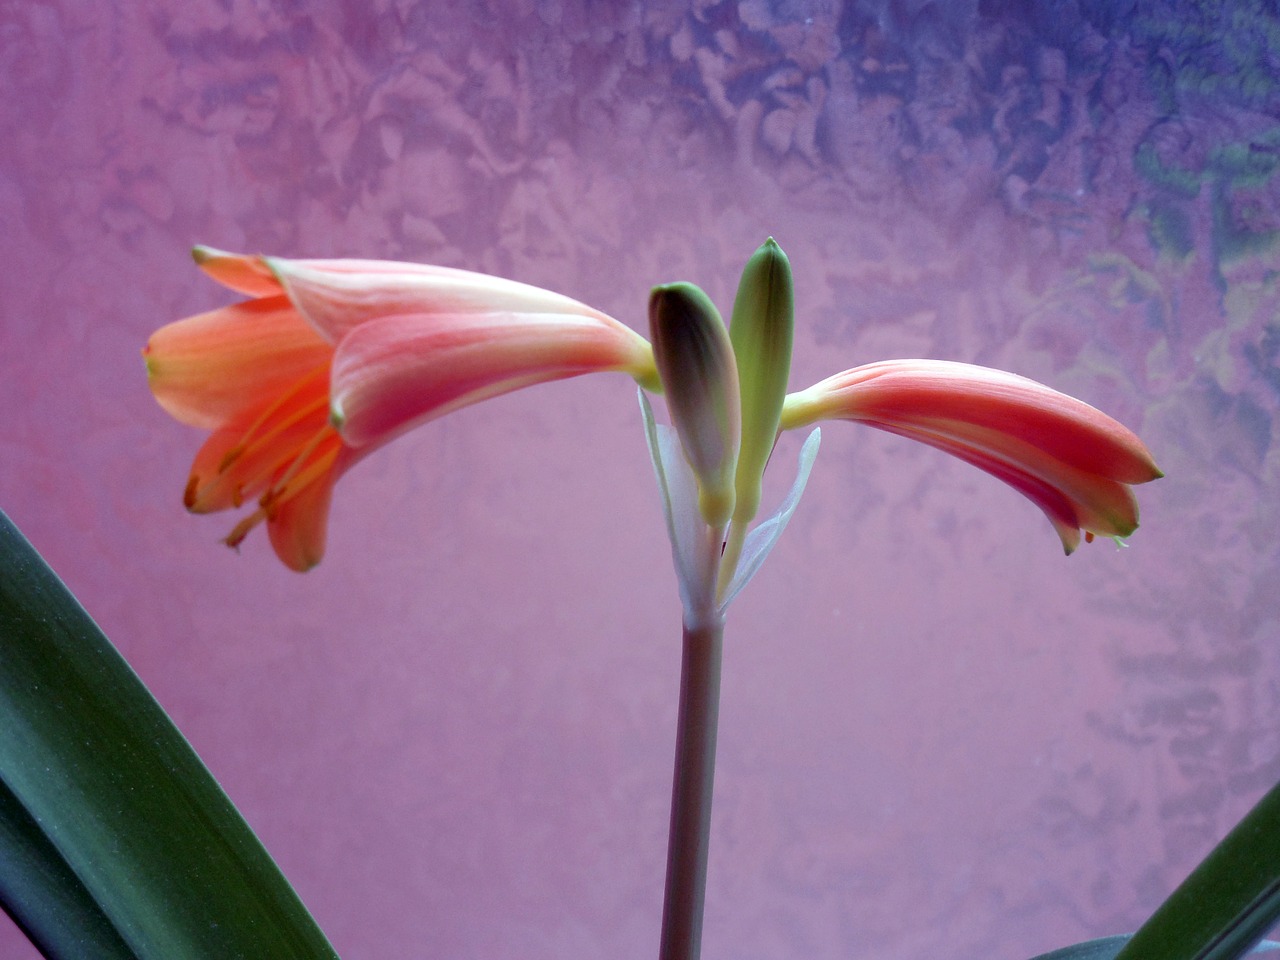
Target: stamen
[291,482]
[232,455]
[241,529]
[320,404]
[189,494]
[248,441]
[277,488]
[272,464]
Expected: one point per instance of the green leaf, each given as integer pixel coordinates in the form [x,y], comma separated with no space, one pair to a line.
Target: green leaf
[1227,903]
[1104,948]
[115,841]
[44,896]
[1107,948]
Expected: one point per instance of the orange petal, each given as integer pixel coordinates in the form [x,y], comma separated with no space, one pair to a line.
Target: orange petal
[242,273]
[1072,501]
[1103,505]
[299,526]
[208,369]
[243,457]
[1066,428]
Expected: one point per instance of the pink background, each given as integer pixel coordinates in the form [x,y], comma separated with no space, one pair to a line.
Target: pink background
[939,737]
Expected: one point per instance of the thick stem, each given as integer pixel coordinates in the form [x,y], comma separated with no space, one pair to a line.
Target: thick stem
[691,793]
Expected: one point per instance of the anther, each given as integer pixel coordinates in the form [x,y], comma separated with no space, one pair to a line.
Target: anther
[189,494]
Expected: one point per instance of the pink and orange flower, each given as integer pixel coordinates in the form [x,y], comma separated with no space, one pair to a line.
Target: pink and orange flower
[1074,462]
[330,359]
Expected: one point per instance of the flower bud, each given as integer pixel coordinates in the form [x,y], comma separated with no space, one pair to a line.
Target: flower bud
[761,334]
[700,378]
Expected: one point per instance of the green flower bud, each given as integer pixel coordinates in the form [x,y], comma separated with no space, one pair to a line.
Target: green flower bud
[761,333]
[763,322]
[700,379]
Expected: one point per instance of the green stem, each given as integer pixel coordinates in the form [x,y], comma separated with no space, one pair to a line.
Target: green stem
[691,793]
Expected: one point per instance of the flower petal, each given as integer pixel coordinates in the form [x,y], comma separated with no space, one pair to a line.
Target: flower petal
[695,549]
[918,390]
[393,373]
[1063,512]
[241,272]
[296,505]
[242,458]
[300,526]
[210,368]
[338,295]
[1071,460]
[1102,505]
[398,343]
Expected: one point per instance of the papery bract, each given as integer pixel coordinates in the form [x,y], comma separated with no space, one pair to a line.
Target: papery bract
[332,358]
[1073,461]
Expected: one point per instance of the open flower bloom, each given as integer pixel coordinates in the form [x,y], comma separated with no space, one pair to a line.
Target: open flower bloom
[1073,461]
[330,359]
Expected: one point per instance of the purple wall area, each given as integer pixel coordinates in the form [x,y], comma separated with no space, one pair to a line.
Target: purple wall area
[939,737]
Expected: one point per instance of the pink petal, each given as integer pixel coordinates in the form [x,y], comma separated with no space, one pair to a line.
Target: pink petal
[395,372]
[1106,507]
[337,296]
[925,390]
[1071,460]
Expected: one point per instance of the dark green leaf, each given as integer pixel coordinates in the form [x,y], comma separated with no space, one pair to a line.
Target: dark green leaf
[1107,948]
[1229,901]
[1104,948]
[115,841]
[45,897]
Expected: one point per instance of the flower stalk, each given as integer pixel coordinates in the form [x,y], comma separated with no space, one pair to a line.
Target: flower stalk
[690,835]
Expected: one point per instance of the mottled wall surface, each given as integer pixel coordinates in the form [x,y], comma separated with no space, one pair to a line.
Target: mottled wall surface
[940,738]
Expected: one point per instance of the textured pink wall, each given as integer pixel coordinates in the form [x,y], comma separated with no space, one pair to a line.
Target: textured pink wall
[939,737]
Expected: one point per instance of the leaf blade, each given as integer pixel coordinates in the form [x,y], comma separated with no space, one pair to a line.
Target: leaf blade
[42,894]
[1227,903]
[119,798]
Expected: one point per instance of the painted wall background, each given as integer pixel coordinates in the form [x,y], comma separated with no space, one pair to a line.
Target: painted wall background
[939,737]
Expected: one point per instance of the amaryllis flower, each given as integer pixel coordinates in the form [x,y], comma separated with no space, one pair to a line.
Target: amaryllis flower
[330,359]
[1071,460]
